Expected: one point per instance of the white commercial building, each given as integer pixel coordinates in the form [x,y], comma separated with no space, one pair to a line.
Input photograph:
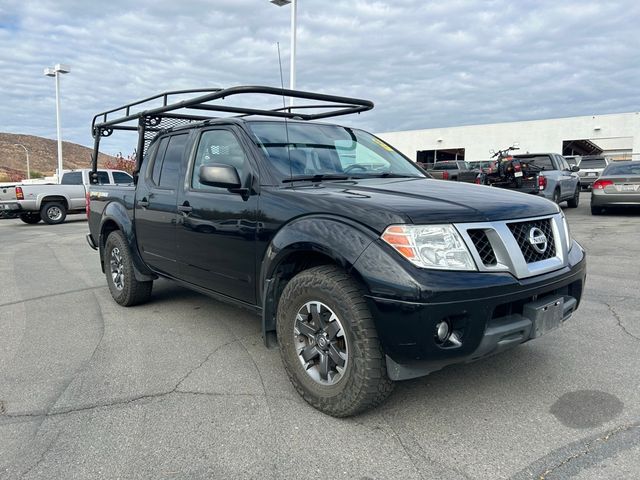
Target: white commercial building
[614,135]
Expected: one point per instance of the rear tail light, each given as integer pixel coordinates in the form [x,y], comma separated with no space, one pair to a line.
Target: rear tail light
[517,167]
[542,182]
[445,175]
[87,204]
[19,193]
[601,184]
[478,182]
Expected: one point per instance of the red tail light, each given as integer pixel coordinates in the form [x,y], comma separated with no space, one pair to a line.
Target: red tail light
[19,193]
[445,175]
[477,181]
[601,184]
[542,182]
[517,167]
[87,204]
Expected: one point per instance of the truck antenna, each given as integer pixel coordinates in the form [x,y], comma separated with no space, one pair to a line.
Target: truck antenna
[286,125]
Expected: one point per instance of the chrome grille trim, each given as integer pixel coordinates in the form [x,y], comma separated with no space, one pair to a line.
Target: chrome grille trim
[508,253]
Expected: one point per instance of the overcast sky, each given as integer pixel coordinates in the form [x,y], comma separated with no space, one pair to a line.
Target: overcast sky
[424,64]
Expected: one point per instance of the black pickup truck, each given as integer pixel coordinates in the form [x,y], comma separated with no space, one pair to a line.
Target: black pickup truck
[364,270]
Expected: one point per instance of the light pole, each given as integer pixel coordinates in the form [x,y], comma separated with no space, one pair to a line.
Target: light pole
[292,72]
[55,72]
[27,152]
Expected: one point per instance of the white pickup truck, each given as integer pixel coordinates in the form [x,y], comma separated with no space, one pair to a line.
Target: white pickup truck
[51,202]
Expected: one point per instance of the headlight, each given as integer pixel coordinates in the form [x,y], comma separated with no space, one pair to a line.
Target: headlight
[567,232]
[430,246]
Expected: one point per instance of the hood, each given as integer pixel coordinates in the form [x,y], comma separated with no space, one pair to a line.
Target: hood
[379,202]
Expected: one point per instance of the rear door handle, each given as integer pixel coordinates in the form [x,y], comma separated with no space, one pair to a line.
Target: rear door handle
[143,203]
[185,208]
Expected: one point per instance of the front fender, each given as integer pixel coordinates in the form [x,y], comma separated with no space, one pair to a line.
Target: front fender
[115,214]
[338,238]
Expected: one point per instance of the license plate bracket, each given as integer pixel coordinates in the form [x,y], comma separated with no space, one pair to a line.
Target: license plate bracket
[545,314]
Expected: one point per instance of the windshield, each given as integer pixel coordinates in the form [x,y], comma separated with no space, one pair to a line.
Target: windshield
[593,163]
[308,149]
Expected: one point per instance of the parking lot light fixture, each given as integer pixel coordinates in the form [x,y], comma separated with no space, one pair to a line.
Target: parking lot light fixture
[292,71]
[55,72]
[27,152]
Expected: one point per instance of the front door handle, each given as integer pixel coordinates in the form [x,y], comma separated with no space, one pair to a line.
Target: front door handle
[185,208]
[143,203]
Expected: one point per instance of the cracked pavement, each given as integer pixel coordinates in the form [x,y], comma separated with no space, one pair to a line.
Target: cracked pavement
[183,387]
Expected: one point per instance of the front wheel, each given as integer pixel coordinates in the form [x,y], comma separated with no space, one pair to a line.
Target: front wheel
[53,213]
[30,218]
[575,200]
[118,267]
[329,344]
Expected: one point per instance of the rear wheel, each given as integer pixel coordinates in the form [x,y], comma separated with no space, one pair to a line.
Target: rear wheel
[556,195]
[329,344]
[575,200]
[53,213]
[30,218]
[596,210]
[118,267]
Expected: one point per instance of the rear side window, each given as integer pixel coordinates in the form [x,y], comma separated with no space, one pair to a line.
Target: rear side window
[120,177]
[103,178]
[170,172]
[72,178]
[157,163]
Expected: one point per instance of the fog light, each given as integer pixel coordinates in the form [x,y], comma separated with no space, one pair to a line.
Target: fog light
[442,332]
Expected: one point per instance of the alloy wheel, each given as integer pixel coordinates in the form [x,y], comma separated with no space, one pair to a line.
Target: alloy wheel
[321,343]
[117,268]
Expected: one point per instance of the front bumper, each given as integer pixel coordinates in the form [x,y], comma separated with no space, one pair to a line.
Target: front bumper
[490,312]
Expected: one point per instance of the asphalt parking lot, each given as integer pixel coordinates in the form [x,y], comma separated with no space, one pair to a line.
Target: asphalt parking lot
[183,387]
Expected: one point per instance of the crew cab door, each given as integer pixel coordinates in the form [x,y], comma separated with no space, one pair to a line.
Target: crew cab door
[156,204]
[216,231]
[568,179]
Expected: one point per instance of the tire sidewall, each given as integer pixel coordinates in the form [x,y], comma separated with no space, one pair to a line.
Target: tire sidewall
[45,216]
[286,320]
[116,240]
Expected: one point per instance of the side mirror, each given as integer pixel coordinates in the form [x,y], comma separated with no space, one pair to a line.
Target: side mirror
[219,175]
[574,168]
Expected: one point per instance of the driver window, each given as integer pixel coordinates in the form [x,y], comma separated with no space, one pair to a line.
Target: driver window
[218,146]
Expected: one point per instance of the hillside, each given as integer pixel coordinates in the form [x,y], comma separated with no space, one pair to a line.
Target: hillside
[43,155]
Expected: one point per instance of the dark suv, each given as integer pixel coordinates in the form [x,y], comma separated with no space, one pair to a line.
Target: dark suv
[362,268]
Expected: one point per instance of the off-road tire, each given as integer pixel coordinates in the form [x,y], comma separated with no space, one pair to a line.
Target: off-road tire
[53,213]
[364,383]
[133,291]
[575,200]
[596,210]
[30,218]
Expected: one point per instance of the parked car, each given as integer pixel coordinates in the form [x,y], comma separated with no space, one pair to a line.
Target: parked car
[455,170]
[557,180]
[52,202]
[591,167]
[363,269]
[618,186]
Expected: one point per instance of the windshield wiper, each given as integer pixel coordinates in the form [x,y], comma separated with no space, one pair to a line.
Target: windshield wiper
[392,175]
[316,178]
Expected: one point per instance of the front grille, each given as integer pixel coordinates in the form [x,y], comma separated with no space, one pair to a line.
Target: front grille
[521,232]
[484,248]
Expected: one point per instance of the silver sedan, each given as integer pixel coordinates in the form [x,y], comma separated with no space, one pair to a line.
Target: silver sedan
[618,186]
